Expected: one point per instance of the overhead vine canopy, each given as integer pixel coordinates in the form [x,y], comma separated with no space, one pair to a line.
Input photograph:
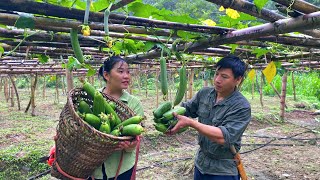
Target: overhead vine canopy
[35,34]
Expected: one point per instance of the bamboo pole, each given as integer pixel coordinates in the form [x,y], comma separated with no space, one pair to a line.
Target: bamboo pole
[283,95]
[69,77]
[191,78]
[299,5]
[64,12]
[261,85]
[293,87]
[33,95]
[276,91]
[16,91]
[44,88]
[250,8]
[281,26]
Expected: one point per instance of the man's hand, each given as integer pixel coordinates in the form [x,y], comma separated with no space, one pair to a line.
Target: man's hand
[183,121]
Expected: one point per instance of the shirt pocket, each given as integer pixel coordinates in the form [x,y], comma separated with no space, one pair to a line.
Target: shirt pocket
[203,110]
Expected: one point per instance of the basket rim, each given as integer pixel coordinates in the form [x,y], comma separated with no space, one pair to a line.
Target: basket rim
[80,120]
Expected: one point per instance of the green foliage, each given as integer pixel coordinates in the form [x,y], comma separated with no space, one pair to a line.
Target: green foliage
[307,84]
[147,11]
[195,9]
[1,51]
[24,22]
[260,51]
[260,4]
[43,58]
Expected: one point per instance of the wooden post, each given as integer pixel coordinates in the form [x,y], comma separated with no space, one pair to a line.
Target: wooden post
[11,95]
[33,89]
[6,89]
[69,77]
[16,91]
[275,90]
[157,88]
[44,88]
[57,88]
[261,85]
[283,95]
[191,83]
[293,87]
[146,84]
[63,85]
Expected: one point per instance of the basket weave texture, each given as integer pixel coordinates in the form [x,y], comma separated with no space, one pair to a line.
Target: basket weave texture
[80,148]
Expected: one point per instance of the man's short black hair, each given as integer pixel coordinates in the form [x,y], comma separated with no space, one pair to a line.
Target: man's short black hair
[234,63]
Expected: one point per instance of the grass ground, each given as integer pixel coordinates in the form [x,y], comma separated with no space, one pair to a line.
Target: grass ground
[25,138]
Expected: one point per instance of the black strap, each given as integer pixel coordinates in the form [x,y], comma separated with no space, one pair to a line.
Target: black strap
[105,177]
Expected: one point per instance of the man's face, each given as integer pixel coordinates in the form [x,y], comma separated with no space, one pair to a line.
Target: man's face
[224,81]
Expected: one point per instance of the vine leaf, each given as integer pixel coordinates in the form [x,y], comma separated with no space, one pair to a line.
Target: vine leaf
[24,22]
[1,51]
[260,4]
[43,58]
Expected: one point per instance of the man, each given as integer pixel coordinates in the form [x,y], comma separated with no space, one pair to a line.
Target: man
[223,115]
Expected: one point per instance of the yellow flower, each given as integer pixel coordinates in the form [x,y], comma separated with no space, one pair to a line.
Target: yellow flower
[209,22]
[232,13]
[221,8]
[85,30]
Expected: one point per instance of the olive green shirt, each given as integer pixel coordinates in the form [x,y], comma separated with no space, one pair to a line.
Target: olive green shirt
[232,115]
[111,164]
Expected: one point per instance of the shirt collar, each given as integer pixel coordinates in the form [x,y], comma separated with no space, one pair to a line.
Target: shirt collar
[226,101]
[125,97]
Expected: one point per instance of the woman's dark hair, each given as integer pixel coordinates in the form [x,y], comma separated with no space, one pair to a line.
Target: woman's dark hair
[234,63]
[109,64]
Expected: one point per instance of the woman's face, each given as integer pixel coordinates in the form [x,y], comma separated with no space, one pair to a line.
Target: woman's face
[119,76]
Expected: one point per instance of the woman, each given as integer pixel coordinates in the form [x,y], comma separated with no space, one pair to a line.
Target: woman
[115,72]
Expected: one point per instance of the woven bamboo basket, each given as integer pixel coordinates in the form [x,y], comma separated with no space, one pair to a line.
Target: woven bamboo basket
[80,148]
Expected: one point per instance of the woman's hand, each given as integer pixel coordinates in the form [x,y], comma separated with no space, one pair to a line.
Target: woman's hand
[183,121]
[127,145]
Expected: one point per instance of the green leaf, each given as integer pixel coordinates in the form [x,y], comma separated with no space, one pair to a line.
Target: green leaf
[1,51]
[3,26]
[148,45]
[233,46]
[43,58]
[117,48]
[260,4]
[260,51]
[187,35]
[24,22]
[52,78]
[91,72]
[73,63]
